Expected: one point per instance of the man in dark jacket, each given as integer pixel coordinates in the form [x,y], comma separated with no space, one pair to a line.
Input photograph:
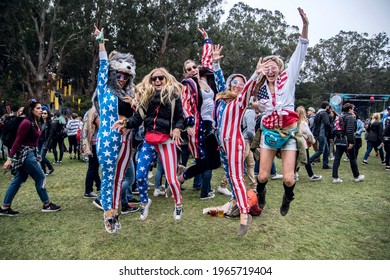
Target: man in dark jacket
[321,131]
[386,137]
[344,141]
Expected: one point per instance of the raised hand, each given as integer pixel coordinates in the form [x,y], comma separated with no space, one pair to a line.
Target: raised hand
[99,35]
[217,53]
[260,66]
[305,20]
[204,33]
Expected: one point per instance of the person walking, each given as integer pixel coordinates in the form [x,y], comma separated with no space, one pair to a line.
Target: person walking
[374,133]
[22,161]
[344,139]
[44,143]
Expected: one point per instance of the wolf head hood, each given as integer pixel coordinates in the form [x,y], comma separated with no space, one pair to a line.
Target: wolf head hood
[122,63]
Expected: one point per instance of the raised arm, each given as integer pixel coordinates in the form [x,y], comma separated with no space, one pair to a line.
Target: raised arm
[207,50]
[218,74]
[305,21]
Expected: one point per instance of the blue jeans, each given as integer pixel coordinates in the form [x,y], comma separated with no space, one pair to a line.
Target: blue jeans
[372,145]
[158,175]
[205,182]
[127,184]
[322,149]
[30,167]
[44,161]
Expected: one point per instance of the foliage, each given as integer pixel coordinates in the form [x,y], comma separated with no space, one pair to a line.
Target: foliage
[349,221]
[47,39]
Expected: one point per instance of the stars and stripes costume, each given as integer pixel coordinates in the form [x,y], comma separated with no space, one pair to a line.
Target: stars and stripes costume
[279,108]
[114,149]
[156,118]
[229,117]
[192,100]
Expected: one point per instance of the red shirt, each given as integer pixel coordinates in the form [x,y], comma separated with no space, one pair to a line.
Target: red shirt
[26,136]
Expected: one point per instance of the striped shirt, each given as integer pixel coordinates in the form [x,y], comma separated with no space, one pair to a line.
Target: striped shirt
[72,126]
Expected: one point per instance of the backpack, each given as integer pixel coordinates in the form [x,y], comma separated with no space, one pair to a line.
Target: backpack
[10,130]
[338,126]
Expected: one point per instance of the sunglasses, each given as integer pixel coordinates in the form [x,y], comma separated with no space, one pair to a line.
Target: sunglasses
[155,78]
[271,68]
[237,83]
[122,76]
[191,68]
[44,113]
[33,100]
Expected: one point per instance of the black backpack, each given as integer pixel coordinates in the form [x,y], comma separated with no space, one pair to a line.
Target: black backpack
[10,130]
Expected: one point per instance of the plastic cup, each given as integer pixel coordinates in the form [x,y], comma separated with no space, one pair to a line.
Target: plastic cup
[220,212]
[213,212]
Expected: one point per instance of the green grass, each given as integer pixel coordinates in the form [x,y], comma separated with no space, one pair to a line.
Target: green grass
[326,222]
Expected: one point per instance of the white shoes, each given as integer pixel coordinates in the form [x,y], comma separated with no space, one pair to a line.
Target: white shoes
[144,210]
[276,176]
[224,191]
[159,192]
[337,180]
[178,212]
[359,178]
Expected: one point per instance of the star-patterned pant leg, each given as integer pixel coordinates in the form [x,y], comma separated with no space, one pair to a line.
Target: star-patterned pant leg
[123,161]
[107,159]
[168,156]
[146,157]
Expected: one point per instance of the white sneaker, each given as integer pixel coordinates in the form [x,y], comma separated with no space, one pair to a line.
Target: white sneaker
[158,192]
[211,192]
[337,180]
[178,212]
[276,176]
[315,178]
[144,210]
[224,191]
[346,159]
[359,178]
[296,176]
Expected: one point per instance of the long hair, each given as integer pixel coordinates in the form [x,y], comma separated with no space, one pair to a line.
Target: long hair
[145,89]
[261,79]
[28,108]
[376,117]
[226,95]
[301,113]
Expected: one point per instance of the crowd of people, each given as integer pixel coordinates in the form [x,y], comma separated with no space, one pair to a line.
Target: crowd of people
[240,123]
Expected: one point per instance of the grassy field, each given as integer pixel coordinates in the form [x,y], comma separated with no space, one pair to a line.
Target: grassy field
[326,222]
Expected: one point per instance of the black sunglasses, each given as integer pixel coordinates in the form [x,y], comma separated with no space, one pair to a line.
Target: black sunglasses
[191,68]
[125,77]
[155,78]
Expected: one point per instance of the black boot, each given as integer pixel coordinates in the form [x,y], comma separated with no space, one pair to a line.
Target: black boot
[285,205]
[261,198]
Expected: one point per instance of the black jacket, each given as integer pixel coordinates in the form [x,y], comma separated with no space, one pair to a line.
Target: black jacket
[374,131]
[322,117]
[350,127]
[158,116]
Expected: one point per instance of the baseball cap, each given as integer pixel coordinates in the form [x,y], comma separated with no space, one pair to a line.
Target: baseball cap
[311,109]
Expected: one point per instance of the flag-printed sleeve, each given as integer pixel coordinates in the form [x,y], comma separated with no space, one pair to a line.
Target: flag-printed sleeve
[218,77]
[188,105]
[247,92]
[103,73]
[296,60]
[207,54]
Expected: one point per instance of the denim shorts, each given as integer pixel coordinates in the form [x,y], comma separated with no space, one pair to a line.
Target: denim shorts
[290,145]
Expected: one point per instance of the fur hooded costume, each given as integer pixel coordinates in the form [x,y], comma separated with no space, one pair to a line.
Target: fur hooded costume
[122,63]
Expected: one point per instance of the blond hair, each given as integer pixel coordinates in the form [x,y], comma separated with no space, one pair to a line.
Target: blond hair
[261,79]
[184,66]
[301,113]
[144,90]
[376,117]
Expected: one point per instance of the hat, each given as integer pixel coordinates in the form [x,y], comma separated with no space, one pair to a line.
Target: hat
[44,108]
[231,77]
[388,108]
[311,109]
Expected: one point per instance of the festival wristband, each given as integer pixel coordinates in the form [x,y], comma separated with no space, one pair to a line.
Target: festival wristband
[11,159]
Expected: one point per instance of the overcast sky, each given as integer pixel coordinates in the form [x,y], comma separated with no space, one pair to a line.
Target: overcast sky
[328,17]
